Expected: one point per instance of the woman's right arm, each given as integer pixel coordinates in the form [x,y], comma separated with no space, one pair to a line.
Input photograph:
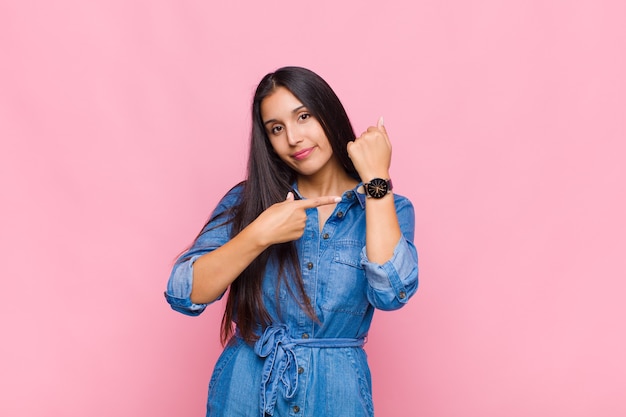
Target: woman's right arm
[281,222]
[209,267]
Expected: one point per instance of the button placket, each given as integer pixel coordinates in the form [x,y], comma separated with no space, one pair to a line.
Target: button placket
[309,254]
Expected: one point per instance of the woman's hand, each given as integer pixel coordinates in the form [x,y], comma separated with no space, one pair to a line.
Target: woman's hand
[285,221]
[371,153]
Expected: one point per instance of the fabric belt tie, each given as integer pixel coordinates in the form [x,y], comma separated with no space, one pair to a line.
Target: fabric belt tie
[281,365]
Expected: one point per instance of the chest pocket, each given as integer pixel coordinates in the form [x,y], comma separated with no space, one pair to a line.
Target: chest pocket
[345,287]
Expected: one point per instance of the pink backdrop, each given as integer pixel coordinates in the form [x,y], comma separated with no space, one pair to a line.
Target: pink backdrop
[123,122]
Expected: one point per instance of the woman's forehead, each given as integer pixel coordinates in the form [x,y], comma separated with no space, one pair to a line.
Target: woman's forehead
[280,103]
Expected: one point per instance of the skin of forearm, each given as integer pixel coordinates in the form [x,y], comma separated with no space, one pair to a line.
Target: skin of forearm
[382,229]
[216,270]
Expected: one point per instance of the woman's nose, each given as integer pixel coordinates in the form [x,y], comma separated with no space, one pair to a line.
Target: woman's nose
[293,138]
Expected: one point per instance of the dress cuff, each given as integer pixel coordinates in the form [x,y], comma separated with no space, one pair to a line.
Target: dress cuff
[178,293]
[395,276]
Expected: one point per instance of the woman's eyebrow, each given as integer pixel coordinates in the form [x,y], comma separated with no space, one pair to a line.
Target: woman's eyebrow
[297,109]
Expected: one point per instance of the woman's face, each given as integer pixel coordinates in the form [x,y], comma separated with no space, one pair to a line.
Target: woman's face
[296,136]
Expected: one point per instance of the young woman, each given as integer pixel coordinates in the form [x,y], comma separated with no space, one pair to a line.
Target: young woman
[307,246]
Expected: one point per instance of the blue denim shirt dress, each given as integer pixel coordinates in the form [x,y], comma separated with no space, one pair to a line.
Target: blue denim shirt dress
[300,367]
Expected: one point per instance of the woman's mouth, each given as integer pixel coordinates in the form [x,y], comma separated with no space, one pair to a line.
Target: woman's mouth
[302,154]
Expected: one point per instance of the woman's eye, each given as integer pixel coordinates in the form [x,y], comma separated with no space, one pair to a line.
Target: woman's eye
[276,130]
[304,116]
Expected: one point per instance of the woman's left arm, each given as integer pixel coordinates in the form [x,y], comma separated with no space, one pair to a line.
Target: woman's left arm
[390,257]
[371,155]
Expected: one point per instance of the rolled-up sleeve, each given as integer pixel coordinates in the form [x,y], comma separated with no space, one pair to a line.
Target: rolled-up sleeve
[392,284]
[215,234]
[178,293]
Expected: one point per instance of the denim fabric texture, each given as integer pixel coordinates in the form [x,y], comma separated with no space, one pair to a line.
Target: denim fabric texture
[300,367]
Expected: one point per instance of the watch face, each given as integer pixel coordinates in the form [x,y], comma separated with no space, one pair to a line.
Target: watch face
[378,188]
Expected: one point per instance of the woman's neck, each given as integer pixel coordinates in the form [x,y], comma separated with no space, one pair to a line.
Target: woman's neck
[325,183]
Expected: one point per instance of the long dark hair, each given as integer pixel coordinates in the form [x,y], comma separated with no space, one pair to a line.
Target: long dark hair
[268,181]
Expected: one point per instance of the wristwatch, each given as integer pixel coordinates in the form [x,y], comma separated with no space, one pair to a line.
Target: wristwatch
[377,188]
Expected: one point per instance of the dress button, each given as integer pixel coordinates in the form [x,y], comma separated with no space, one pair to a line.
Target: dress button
[309,265]
[305,335]
[402,295]
[340,214]
[300,370]
[296,409]
[325,236]
[350,194]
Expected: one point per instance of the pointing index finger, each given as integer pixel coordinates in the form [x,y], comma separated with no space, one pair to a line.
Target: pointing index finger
[319,201]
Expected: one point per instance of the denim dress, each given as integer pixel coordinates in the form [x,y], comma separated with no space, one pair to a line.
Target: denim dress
[299,366]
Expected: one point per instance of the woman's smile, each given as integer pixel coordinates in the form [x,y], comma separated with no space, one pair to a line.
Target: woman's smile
[302,154]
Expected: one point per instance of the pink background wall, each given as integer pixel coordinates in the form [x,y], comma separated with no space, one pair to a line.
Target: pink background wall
[123,122]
